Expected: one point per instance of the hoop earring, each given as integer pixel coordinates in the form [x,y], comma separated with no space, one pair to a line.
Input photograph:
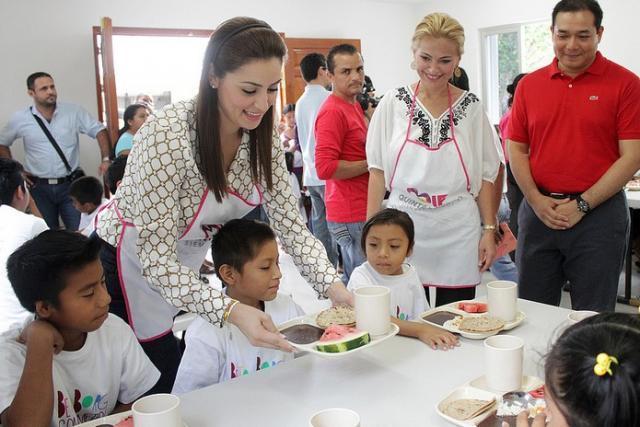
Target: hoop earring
[413,65]
[457,72]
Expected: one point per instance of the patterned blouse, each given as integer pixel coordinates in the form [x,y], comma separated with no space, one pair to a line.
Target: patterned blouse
[161,191]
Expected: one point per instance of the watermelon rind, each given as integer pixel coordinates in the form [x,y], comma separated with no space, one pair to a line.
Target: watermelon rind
[351,342]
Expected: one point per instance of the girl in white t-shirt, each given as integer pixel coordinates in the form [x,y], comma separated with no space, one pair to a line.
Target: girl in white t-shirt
[387,240]
[245,254]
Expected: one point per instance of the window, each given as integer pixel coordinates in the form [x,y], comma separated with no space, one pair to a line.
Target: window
[507,51]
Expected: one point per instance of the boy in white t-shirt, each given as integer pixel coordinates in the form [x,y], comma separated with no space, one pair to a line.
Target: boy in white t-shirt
[16,227]
[75,362]
[245,254]
[387,240]
[86,195]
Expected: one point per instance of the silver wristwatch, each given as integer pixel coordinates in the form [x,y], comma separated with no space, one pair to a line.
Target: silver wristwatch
[583,205]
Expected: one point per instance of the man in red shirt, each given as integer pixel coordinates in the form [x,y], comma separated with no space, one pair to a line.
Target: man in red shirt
[341,134]
[574,143]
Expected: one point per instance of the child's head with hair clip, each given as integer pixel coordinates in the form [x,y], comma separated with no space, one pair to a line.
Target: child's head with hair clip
[592,373]
[387,240]
[245,254]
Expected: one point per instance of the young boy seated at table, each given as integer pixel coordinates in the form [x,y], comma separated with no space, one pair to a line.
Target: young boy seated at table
[73,362]
[245,254]
[86,195]
[387,240]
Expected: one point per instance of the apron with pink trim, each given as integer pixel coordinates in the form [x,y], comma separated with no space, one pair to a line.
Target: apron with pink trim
[150,315]
[432,185]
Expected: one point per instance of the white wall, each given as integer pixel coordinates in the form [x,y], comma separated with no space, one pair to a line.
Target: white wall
[41,35]
[619,42]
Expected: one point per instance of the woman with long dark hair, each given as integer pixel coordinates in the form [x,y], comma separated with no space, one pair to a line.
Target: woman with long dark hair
[197,165]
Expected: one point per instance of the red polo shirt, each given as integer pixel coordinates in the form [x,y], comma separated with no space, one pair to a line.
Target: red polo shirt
[341,134]
[573,125]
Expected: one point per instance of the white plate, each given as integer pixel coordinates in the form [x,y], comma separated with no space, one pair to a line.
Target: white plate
[311,347]
[529,383]
[466,392]
[111,419]
[520,316]
[450,326]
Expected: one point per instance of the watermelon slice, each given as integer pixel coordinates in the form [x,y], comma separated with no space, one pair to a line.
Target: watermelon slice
[338,339]
[472,307]
[127,422]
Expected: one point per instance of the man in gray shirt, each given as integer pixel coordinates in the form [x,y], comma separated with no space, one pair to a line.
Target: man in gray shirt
[48,174]
[314,72]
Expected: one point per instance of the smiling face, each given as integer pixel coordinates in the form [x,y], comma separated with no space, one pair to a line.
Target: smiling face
[347,78]
[575,41]
[44,92]
[387,246]
[83,303]
[247,93]
[435,61]
[259,279]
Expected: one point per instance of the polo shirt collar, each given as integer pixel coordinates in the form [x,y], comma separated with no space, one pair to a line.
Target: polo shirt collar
[597,66]
[37,112]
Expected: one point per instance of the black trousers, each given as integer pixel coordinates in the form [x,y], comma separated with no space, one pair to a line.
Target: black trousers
[449,295]
[164,352]
[589,255]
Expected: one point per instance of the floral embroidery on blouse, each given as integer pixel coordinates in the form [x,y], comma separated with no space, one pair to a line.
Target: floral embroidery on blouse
[161,191]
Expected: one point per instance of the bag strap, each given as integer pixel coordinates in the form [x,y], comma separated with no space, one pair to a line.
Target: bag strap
[52,141]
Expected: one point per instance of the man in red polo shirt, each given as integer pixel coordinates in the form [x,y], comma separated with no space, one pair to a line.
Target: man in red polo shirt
[341,134]
[575,142]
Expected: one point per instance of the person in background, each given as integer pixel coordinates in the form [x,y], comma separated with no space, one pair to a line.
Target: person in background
[246,254]
[574,142]
[432,146]
[295,187]
[313,68]
[72,351]
[341,133]
[592,375]
[86,195]
[146,100]
[50,170]
[134,117]
[289,139]
[16,227]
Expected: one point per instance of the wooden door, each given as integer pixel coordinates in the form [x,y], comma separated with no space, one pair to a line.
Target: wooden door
[298,49]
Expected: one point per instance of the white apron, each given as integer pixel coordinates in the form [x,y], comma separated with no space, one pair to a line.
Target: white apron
[150,315]
[432,185]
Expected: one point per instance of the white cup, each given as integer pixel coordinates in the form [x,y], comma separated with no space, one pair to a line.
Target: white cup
[503,357]
[502,298]
[157,410]
[334,417]
[578,315]
[372,309]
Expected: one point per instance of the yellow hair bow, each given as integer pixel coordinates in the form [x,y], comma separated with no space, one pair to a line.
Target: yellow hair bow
[603,364]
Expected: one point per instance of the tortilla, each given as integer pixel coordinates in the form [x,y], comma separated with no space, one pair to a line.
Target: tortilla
[464,409]
[339,315]
[481,324]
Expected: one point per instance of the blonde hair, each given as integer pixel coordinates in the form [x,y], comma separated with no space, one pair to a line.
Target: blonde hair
[439,25]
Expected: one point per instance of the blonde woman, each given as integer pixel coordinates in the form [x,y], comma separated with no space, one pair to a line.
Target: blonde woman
[431,145]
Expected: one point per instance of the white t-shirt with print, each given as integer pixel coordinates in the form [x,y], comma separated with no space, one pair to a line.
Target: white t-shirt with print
[88,220]
[214,354]
[110,367]
[16,227]
[407,298]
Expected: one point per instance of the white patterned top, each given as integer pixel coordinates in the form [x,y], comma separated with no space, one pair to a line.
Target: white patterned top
[161,191]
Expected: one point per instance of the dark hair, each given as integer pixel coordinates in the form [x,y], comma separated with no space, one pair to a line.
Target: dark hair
[460,79]
[38,269]
[584,398]
[233,44]
[310,65]
[129,113]
[576,6]
[341,49]
[32,78]
[238,242]
[288,159]
[86,189]
[10,179]
[289,108]
[511,89]
[389,216]
[116,172]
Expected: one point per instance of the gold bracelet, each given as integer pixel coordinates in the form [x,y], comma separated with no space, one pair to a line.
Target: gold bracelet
[487,227]
[227,310]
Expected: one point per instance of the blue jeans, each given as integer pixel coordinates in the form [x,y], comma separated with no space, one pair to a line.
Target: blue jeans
[319,222]
[53,201]
[347,235]
[504,268]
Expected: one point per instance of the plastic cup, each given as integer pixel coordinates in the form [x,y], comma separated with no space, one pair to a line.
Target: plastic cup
[372,309]
[504,355]
[334,417]
[502,298]
[157,410]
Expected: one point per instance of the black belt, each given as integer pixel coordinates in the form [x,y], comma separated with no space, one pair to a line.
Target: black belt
[571,196]
[52,181]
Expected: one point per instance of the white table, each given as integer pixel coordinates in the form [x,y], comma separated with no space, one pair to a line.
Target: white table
[396,383]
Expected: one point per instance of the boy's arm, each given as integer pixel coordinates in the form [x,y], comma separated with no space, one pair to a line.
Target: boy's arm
[434,337]
[36,383]
[122,407]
